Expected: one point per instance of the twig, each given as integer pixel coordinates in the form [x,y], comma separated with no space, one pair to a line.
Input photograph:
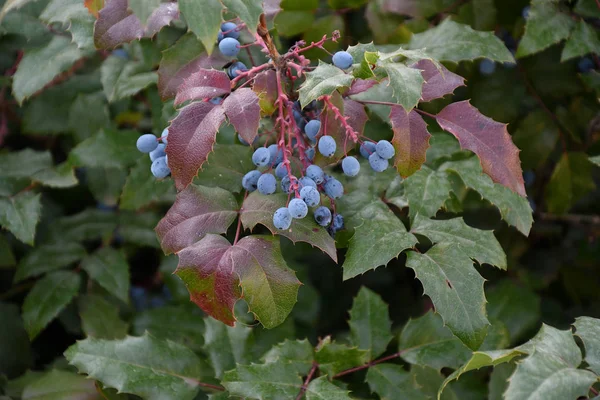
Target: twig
[239,224]
[369,364]
[307,380]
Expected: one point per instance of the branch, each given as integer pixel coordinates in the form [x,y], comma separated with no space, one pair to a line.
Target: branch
[307,380]
[369,364]
[263,32]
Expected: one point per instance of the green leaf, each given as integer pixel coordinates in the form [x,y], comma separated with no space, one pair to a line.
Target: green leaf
[41,65]
[370,325]
[546,25]
[138,228]
[275,381]
[392,382]
[456,289]
[122,78]
[20,215]
[12,5]
[584,40]
[426,341]
[63,176]
[322,81]
[49,257]
[406,83]
[429,381]
[248,10]
[7,257]
[88,114]
[226,167]
[298,353]
[151,368]
[60,385]
[335,357]
[76,18]
[108,148]
[47,298]
[226,346]
[536,137]
[365,55]
[450,41]
[143,8]
[110,269]
[587,330]
[550,372]
[90,224]
[142,188]
[595,160]
[498,381]
[322,389]
[100,318]
[380,238]
[204,19]
[15,349]
[587,8]
[24,163]
[476,243]
[570,181]
[426,190]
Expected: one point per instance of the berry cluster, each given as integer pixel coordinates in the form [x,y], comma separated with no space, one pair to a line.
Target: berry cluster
[148,143]
[228,39]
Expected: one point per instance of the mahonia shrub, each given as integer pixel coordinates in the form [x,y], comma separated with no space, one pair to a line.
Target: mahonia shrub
[264,152]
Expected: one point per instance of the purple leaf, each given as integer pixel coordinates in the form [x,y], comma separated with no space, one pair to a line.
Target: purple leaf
[488,139]
[437,84]
[411,140]
[116,25]
[198,210]
[265,86]
[356,114]
[161,17]
[206,83]
[361,85]
[243,111]
[210,278]
[192,135]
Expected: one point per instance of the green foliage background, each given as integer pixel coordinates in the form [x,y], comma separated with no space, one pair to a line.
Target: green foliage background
[79,259]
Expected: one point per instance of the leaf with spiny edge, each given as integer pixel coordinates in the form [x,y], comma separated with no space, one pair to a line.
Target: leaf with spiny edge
[203,84]
[20,214]
[393,382]
[426,191]
[273,381]
[439,81]
[323,81]
[370,325]
[204,19]
[322,389]
[247,10]
[335,357]
[411,140]
[406,83]
[298,353]
[587,328]
[226,346]
[243,112]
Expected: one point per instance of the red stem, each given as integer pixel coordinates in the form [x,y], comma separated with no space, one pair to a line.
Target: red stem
[343,120]
[307,380]
[367,365]
[239,224]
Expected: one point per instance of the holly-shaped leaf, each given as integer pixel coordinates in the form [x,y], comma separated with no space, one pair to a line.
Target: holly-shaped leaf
[57,384]
[20,214]
[192,135]
[298,353]
[48,258]
[198,210]
[122,78]
[100,318]
[406,83]
[584,40]
[456,289]
[274,381]
[109,148]
[323,81]
[116,25]
[243,112]
[391,382]
[587,328]
[439,81]
[411,140]
[143,8]
[570,181]
[355,115]
[110,269]
[265,86]
[335,357]
[370,324]
[226,346]
[248,10]
[476,243]
[47,298]
[151,368]
[142,188]
[426,191]
[204,19]
[259,209]
[322,389]
[204,84]
[77,19]
[226,167]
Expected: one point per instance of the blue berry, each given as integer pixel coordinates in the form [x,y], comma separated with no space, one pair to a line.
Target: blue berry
[281,170]
[367,148]
[276,154]
[229,47]
[229,29]
[236,67]
[310,153]
[334,188]
[385,149]
[350,166]
[310,195]
[220,37]
[487,67]
[250,180]
[327,146]
[306,181]
[342,59]
[261,157]
[298,208]
[121,53]
[282,219]
[315,173]
[164,135]
[286,184]
[147,143]
[338,222]
[323,216]
[158,152]
[586,64]
[159,168]
[216,100]
[377,163]
[312,128]
[267,184]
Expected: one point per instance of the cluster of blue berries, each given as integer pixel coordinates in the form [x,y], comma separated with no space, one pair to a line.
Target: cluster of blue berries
[228,39]
[149,143]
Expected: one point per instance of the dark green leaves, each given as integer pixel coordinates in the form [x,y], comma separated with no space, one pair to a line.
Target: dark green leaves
[583,40]
[392,382]
[273,381]
[100,318]
[324,80]
[109,268]
[426,191]
[247,10]
[545,26]
[58,384]
[370,324]
[122,78]
[335,357]
[48,258]
[570,181]
[20,215]
[204,19]
[406,83]
[587,328]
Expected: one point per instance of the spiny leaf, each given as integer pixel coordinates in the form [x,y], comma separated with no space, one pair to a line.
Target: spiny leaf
[57,384]
[204,19]
[322,389]
[48,258]
[265,86]
[243,112]
[356,115]
[365,55]
[107,148]
[142,188]
[426,190]
[406,83]
[323,80]
[226,346]
[20,215]
[100,318]
[275,381]
[198,210]
[226,167]
[47,298]
[456,289]
[110,269]
[145,366]
[298,353]
[210,278]
[77,19]
[143,8]
[122,78]
[248,10]
[392,382]
[335,357]
[192,135]
[370,325]
[476,243]
[203,84]
[570,181]
[583,40]
[93,6]
[439,81]
[411,140]
[587,330]
[116,25]
[24,163]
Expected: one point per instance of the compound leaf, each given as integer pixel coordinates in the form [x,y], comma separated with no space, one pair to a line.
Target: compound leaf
[370,325]
[322,81]
[411,140]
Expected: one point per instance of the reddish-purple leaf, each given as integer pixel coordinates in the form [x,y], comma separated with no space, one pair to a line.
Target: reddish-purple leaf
[488,139]
[269,287]
[192,135]
[243,111]
[265,86]
[356,114]
[437,83]
[116,25]
[198,210]
[361,85]
[259,209]
[411,140]
[161,17]
[206,83]
[210,278]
